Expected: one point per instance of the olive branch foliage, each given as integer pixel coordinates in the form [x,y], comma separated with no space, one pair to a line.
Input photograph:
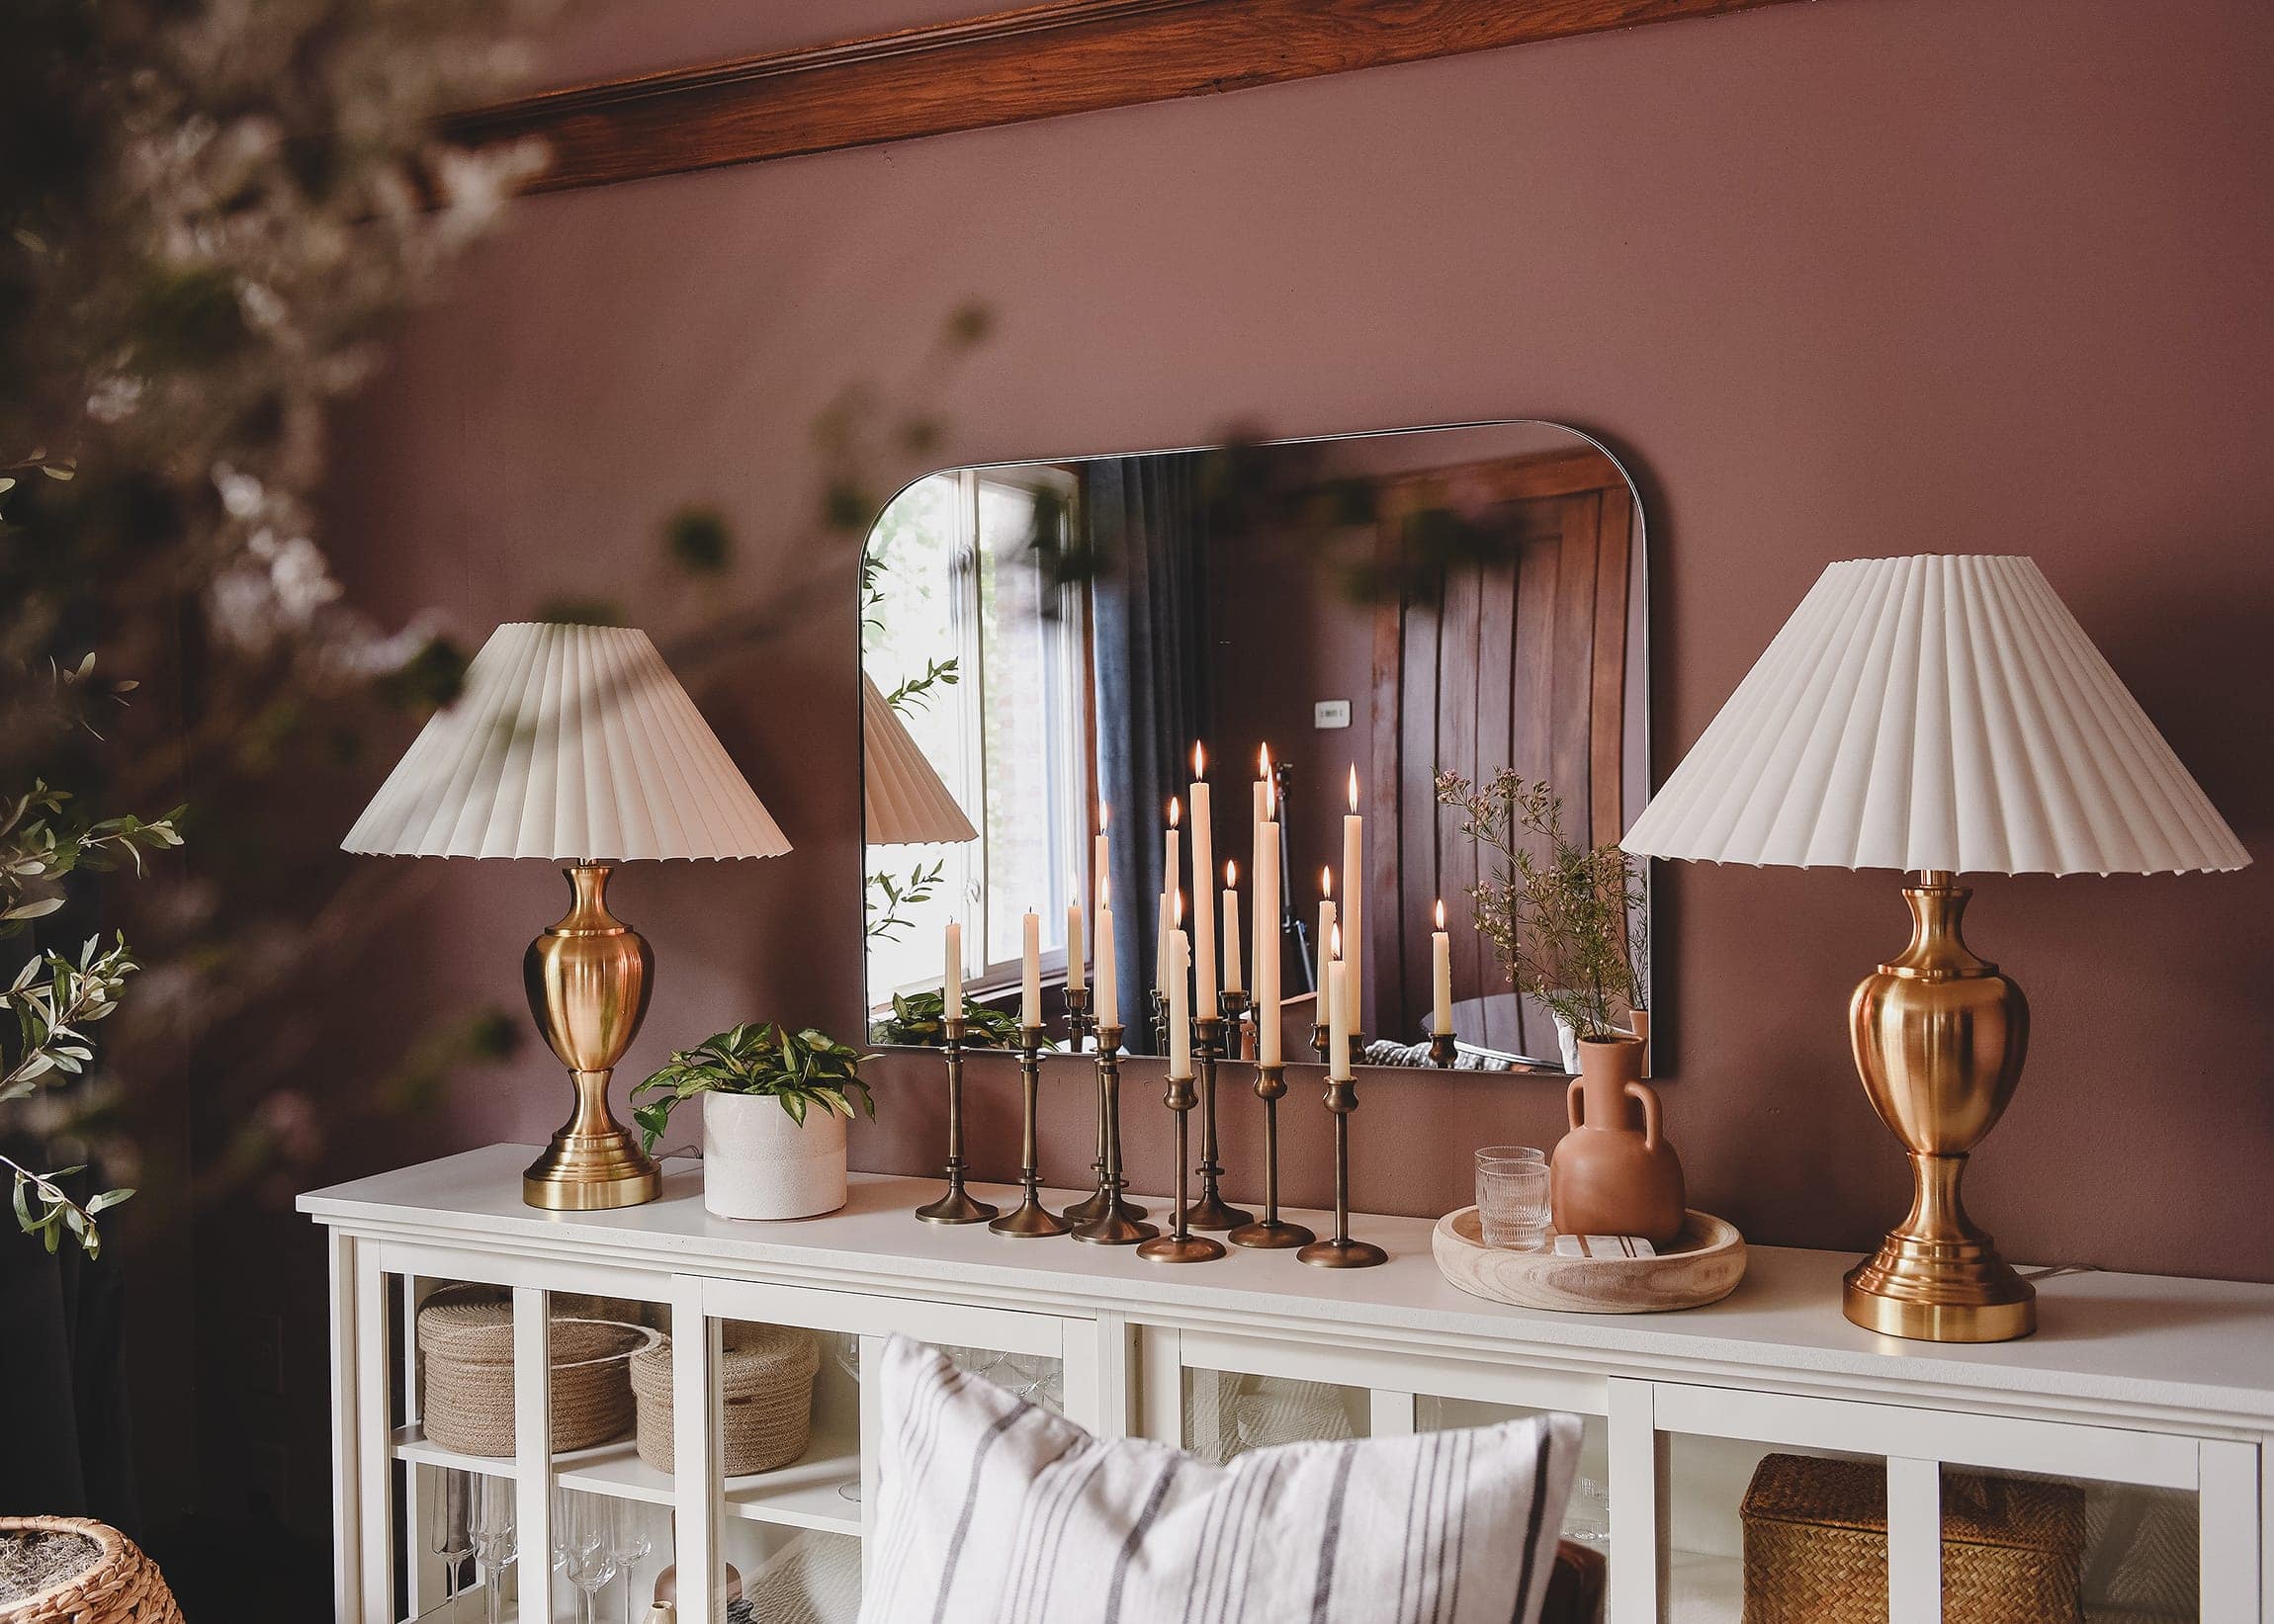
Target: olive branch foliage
[1568,921]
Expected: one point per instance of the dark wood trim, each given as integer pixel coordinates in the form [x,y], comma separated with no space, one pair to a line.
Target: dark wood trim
[1009,68]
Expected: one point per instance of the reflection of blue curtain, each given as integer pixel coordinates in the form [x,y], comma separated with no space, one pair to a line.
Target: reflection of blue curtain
[1150,606]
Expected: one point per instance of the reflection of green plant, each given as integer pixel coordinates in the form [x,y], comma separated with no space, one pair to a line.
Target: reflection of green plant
[888,896]
[1570,928]
[802,1070]
[918,1018]
[916,692]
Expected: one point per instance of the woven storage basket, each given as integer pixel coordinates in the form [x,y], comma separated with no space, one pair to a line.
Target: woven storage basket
[1816,1545]
[765,1383]
[466,1375]
[80,1571]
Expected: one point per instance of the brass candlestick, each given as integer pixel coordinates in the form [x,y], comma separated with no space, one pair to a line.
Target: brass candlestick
[1320,1032]
[1030,1217]
[957,1206]
[1342,1253]
[1090,1207]
[1270,1233]
[1117,1221]
[1181,1245]
[1078,1024]
[1442,1050]
[1211,1210]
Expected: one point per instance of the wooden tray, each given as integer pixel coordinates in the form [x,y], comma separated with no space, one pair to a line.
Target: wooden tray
[1704,1265]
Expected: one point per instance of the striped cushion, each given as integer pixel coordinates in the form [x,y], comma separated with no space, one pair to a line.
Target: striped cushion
[990,1510]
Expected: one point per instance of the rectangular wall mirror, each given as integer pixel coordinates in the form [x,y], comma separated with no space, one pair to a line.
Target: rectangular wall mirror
[1040,640]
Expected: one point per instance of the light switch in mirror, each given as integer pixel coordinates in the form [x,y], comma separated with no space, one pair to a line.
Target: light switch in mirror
[1043,641]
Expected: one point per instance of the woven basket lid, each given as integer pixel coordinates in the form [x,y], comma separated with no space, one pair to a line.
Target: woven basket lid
[753,1357]
[482,1334]
[2016,1514]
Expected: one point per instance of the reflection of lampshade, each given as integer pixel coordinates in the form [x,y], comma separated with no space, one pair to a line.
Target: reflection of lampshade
[1940,715]
[573,742]
[903,800]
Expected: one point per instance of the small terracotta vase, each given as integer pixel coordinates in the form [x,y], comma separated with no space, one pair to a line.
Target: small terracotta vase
[1606,1176]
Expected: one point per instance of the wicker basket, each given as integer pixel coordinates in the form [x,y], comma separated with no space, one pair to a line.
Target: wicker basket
[766,1383]
[80,1571]
[466,1375]
[1816,1545]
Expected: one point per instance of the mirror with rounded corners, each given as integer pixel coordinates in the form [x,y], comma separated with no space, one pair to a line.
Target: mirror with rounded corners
[1047,645]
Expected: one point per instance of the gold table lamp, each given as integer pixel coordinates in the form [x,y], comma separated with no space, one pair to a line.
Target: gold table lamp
[1938,715]
[574,744]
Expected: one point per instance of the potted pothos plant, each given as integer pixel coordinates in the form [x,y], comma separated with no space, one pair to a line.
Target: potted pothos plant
[776,1104]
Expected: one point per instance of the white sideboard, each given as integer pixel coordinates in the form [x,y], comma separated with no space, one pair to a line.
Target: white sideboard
[2158,1393]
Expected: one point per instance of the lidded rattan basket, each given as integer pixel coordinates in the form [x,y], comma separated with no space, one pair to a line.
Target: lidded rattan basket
[1816,1545]
[466,1374]
[75,1571]
[765,1391]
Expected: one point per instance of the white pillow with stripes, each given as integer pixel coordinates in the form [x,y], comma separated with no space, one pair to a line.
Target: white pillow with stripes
[993,1510]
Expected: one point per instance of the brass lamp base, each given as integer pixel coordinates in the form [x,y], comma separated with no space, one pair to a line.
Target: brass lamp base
[1939,1037]
[589,976]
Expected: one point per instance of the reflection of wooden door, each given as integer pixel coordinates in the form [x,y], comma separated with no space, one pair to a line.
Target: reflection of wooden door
[1519,662]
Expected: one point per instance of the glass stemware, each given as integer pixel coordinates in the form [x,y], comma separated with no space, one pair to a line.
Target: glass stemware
[496,1542]
[584,1539]
[630,1547]
[448,1520]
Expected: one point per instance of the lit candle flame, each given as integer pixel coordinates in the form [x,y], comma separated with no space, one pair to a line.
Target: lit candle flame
[1175,811]
[1231,875]
[1200,760]
[1105,894]
[1337,943]
[1176,914]
[1441,914]
[1326,882]
[1353,786]
[1263,762]
[1104,816]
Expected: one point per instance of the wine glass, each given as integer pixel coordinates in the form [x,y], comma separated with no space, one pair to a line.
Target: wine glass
[496,1542]
[448,1516]
[584,1538]
[630,1547]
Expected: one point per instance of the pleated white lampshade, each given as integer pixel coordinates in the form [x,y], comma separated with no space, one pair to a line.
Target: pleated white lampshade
[903,798]
[1935,713]
[569,742]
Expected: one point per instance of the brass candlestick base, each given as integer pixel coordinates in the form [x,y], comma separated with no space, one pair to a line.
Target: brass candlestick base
[1078,1024]
[1030,1218]
[1342,1253]
[1091,1207]
[1211,1210]
[957,1206]
[589,977]
[1939,1037]
[1114,1222]
[1181,1245]
[1270,1232]
[1443,1049]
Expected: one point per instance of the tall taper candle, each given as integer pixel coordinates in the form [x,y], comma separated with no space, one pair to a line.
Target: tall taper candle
[1109,980]
[1441,975]
[1031,969]
[952,987]
[1231,927]
[1353,901]
[1101,880]
[1075,949]
[1172,879]
[1179,1005]
[1203,882]
[1267,939]
[1338,996]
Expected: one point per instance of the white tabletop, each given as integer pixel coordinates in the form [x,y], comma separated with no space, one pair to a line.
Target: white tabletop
[2151,1347]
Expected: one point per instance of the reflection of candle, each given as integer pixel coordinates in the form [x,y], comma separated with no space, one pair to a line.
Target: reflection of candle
[1076,951]
[1441,974]
[1230,929]
[1172,879]
[1326,927]
[1102,863]
[1203,880]
[1180,1007]
[1109,986]
[1267,928]
[1338,996]
[1031,969]
[951,989]
[1353,894]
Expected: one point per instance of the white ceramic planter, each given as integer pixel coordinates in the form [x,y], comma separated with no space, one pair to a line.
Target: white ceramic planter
[758,1163]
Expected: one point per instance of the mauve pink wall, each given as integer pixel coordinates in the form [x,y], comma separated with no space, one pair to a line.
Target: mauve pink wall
[1851,278]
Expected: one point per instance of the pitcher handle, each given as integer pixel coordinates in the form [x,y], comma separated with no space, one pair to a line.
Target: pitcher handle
[1649,1099]
[1573,1112]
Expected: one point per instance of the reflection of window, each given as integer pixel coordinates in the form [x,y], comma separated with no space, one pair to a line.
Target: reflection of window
[954,580]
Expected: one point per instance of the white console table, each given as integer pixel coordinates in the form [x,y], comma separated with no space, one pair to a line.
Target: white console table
[2164,1384]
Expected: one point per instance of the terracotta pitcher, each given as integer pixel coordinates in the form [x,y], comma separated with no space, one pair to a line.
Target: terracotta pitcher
[1606,1176]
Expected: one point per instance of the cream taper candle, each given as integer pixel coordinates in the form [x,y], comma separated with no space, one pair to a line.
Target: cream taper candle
[1203,879]
[1338,996]
[1230,929]
[1075,949]
[952,987]
[1354,899]
[1441,975]
[1031,969]
[1179,1006]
